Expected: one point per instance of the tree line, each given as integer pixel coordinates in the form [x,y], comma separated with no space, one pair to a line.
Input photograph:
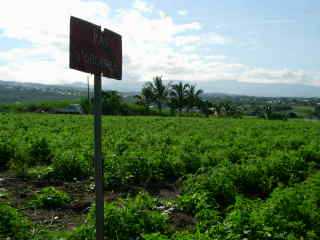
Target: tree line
[160,98]
[182,98]
[179,97]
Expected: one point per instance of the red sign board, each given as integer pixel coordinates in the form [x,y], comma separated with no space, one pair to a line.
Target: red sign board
[95,51]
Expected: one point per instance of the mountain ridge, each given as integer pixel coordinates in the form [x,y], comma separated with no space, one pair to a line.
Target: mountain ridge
[227,88]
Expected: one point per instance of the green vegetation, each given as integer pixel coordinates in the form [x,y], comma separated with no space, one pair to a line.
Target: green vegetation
[232,178]
[126,218]
[50,197]
[43,106]
[17,92]
[177,97]
[13,224]
[160,98]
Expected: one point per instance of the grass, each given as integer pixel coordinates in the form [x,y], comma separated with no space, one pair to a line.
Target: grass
[303,111]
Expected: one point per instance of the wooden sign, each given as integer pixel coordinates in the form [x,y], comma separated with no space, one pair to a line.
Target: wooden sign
[95,51]
[98,52]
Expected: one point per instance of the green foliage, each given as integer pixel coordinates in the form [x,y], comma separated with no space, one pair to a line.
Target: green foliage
[13,224]
[193,203]
[317,111]
[6,153]
[37,106]
[40,172]
[127,219]
[69,165]
[217,183]
[114,104]
[20,162]
[155,236]
[146,97]
[178,236]
[278,116]
[290,213]
[34,154]
[40,152]
[86,105]
[159,92]
[236,178]
[199,205]
[51,235]
[50,198]
[111,103]
[178,96]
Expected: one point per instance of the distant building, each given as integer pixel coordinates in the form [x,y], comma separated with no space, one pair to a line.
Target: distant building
[71,109]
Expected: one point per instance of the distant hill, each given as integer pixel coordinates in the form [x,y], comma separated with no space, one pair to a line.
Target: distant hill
[11,92]
[234,88]
[260,89]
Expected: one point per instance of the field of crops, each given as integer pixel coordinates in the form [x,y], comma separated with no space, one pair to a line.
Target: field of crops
[165,178]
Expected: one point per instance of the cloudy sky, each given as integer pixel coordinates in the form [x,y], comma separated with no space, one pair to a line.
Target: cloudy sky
[206,40]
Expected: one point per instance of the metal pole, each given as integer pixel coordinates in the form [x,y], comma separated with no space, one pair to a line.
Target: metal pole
[98,158]
[88,88]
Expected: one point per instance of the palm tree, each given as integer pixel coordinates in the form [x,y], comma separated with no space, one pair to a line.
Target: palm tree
[159,91]
[217,107]
[193,97]
[112,102]
[178,95]
[205,107]
[146,97]
[268,111]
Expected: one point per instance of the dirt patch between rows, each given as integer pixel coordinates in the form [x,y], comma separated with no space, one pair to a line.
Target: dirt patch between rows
[19,192]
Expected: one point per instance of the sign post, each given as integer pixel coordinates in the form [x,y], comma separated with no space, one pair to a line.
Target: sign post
[98,52]
[98,158]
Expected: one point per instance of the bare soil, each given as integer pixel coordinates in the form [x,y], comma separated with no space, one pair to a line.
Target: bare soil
[19,192]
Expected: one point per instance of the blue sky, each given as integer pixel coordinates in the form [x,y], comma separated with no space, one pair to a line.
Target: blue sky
[245,40]
[273,33]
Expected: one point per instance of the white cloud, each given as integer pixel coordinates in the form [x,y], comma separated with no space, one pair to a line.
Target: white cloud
[142,6]
[153,44]
[183,12]
[214,38]
[280,76]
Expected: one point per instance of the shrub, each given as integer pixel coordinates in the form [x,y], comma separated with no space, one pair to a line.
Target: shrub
[178,236]
[69,165]
[199,205]
[236,224]
[6,153]
[277,116]
[261,176]
[50,198]
[310,153]
[126,219]
[20,162]
[40,152]
[193,203]
[40,172]
[49,235]
[217,183]
[289,213]
[155,236]
[13,224]
[284,167]
[192,236]
[136,168]
[248,179]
